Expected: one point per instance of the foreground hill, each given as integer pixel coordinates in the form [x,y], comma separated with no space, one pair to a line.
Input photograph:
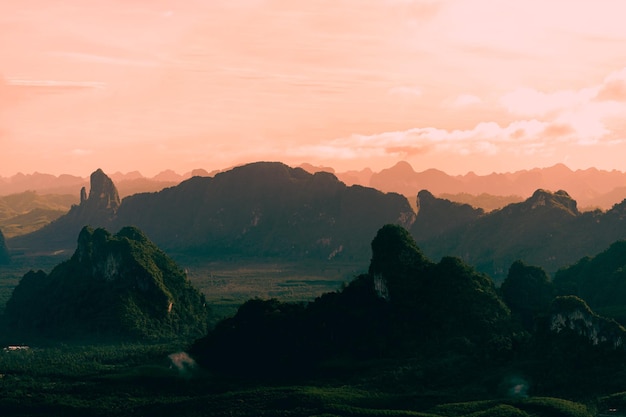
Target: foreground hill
[261,209]
[546,229]
[114,286]
[403,305]
[435,331]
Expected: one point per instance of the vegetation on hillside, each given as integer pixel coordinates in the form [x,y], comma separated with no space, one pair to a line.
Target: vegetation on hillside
[114,286]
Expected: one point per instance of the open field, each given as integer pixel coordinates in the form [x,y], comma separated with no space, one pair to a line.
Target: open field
[227,284]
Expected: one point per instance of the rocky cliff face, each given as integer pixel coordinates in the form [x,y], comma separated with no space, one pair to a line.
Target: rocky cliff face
[571,314]
[102,194]
[113,286]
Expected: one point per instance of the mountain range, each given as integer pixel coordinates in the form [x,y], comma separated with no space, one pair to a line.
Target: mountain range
[268,209]
[591,188]
[127,184]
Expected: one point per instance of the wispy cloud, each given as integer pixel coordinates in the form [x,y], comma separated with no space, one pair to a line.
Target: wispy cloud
[586,111]
[523,137]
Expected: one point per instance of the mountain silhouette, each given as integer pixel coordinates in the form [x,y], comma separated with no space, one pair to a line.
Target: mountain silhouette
[591,188]
[114,286]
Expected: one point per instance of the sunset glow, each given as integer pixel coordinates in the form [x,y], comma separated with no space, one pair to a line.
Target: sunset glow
[456,85]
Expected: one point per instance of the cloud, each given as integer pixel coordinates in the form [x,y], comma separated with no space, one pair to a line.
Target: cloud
[582,116]
[613,91]
[407,150]
[524,137]
[558,130]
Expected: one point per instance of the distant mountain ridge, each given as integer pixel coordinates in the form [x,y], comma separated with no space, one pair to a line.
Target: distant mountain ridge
[590,187]
[127,184]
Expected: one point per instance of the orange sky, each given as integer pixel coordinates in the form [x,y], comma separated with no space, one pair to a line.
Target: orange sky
[458,85]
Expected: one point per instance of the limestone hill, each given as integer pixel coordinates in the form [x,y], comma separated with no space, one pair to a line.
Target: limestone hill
[114,286]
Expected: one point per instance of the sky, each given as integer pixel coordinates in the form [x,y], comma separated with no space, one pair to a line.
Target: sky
[457,85]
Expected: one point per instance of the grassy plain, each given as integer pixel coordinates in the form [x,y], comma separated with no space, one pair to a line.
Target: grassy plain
[140,380]
[228,284]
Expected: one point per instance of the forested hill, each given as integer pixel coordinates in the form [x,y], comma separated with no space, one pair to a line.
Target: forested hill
[118,286]
[261,209]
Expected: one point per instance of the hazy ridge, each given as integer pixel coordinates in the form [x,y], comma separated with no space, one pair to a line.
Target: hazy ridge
[591,188]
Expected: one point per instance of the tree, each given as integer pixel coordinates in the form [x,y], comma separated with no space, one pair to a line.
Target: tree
[528,291]
[399,264]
